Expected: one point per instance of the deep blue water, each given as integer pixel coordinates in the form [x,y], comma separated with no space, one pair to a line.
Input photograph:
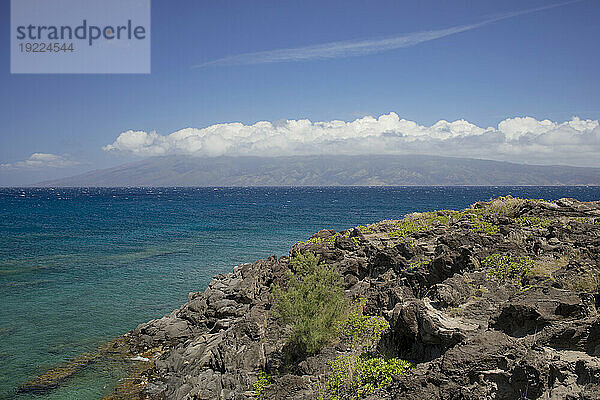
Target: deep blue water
[80,266]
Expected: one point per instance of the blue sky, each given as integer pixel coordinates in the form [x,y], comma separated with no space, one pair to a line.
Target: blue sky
[541,64]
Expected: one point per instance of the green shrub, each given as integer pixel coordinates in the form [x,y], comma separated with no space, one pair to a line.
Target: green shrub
[315,240]
[478,225]
[536,222]
[362,371]
[485,227]
[313,303]
[407,227]
[505,268]
[331,239]
[418,264]
[418,222]
[432,218]
[358,376]
[364,229]
[263,381]
[364,331]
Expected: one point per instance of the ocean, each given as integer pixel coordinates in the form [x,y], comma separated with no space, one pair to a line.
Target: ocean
[81,266]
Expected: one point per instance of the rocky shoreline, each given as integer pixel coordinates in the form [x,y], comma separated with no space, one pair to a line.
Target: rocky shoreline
[497,301]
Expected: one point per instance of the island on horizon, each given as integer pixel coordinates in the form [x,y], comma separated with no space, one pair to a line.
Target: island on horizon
[333,170]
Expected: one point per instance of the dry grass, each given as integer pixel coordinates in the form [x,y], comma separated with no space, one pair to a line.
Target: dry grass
[546,267]
[505,206]
[586,282]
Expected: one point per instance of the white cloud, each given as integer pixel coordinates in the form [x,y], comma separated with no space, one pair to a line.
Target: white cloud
[41,160]
[575,142]
[359,47]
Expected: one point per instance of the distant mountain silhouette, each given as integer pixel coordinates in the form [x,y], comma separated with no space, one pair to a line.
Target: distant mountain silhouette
[371,170]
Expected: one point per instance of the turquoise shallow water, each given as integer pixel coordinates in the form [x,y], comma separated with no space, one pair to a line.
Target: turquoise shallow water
[81,266]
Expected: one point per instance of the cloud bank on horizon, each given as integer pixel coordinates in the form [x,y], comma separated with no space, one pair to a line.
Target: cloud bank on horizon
[41,160]
[520,139]
[359,47]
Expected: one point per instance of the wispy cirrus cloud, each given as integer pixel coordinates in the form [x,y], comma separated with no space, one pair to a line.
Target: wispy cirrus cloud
[352,48]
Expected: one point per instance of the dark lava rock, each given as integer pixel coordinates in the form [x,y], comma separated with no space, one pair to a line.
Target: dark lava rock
[471,333]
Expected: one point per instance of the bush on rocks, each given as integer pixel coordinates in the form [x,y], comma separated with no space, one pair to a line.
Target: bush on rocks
[355,376]
[312,303]
[364,331]
[363,370]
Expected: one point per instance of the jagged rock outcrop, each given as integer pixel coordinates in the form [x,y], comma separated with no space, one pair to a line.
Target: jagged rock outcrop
[499,301]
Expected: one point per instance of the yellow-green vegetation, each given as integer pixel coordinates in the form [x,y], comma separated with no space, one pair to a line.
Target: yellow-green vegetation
[331,239]
[364,230]
[419,222]
[418,264]
[506,268]
[586,282]
[585,220]
[363,331]
[480,226]
[407,227]
[312,302]
[431,218]
[315,240]
[357,376]
[263,381]
[502,206]
[536,222]
[485,227]
[356,240]
[362,371]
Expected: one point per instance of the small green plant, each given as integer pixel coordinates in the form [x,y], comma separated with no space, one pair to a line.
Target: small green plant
[362,371]
[585,220]
[432,218]
[485,227]
[406,227]
[418,264]
[506,268]
[313,303]
[315,240]
[263,381]
[356,240]
[358,376]
[364,331]
[418,222]
[331,239]
[364,230]
[536,222]
[479,225]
